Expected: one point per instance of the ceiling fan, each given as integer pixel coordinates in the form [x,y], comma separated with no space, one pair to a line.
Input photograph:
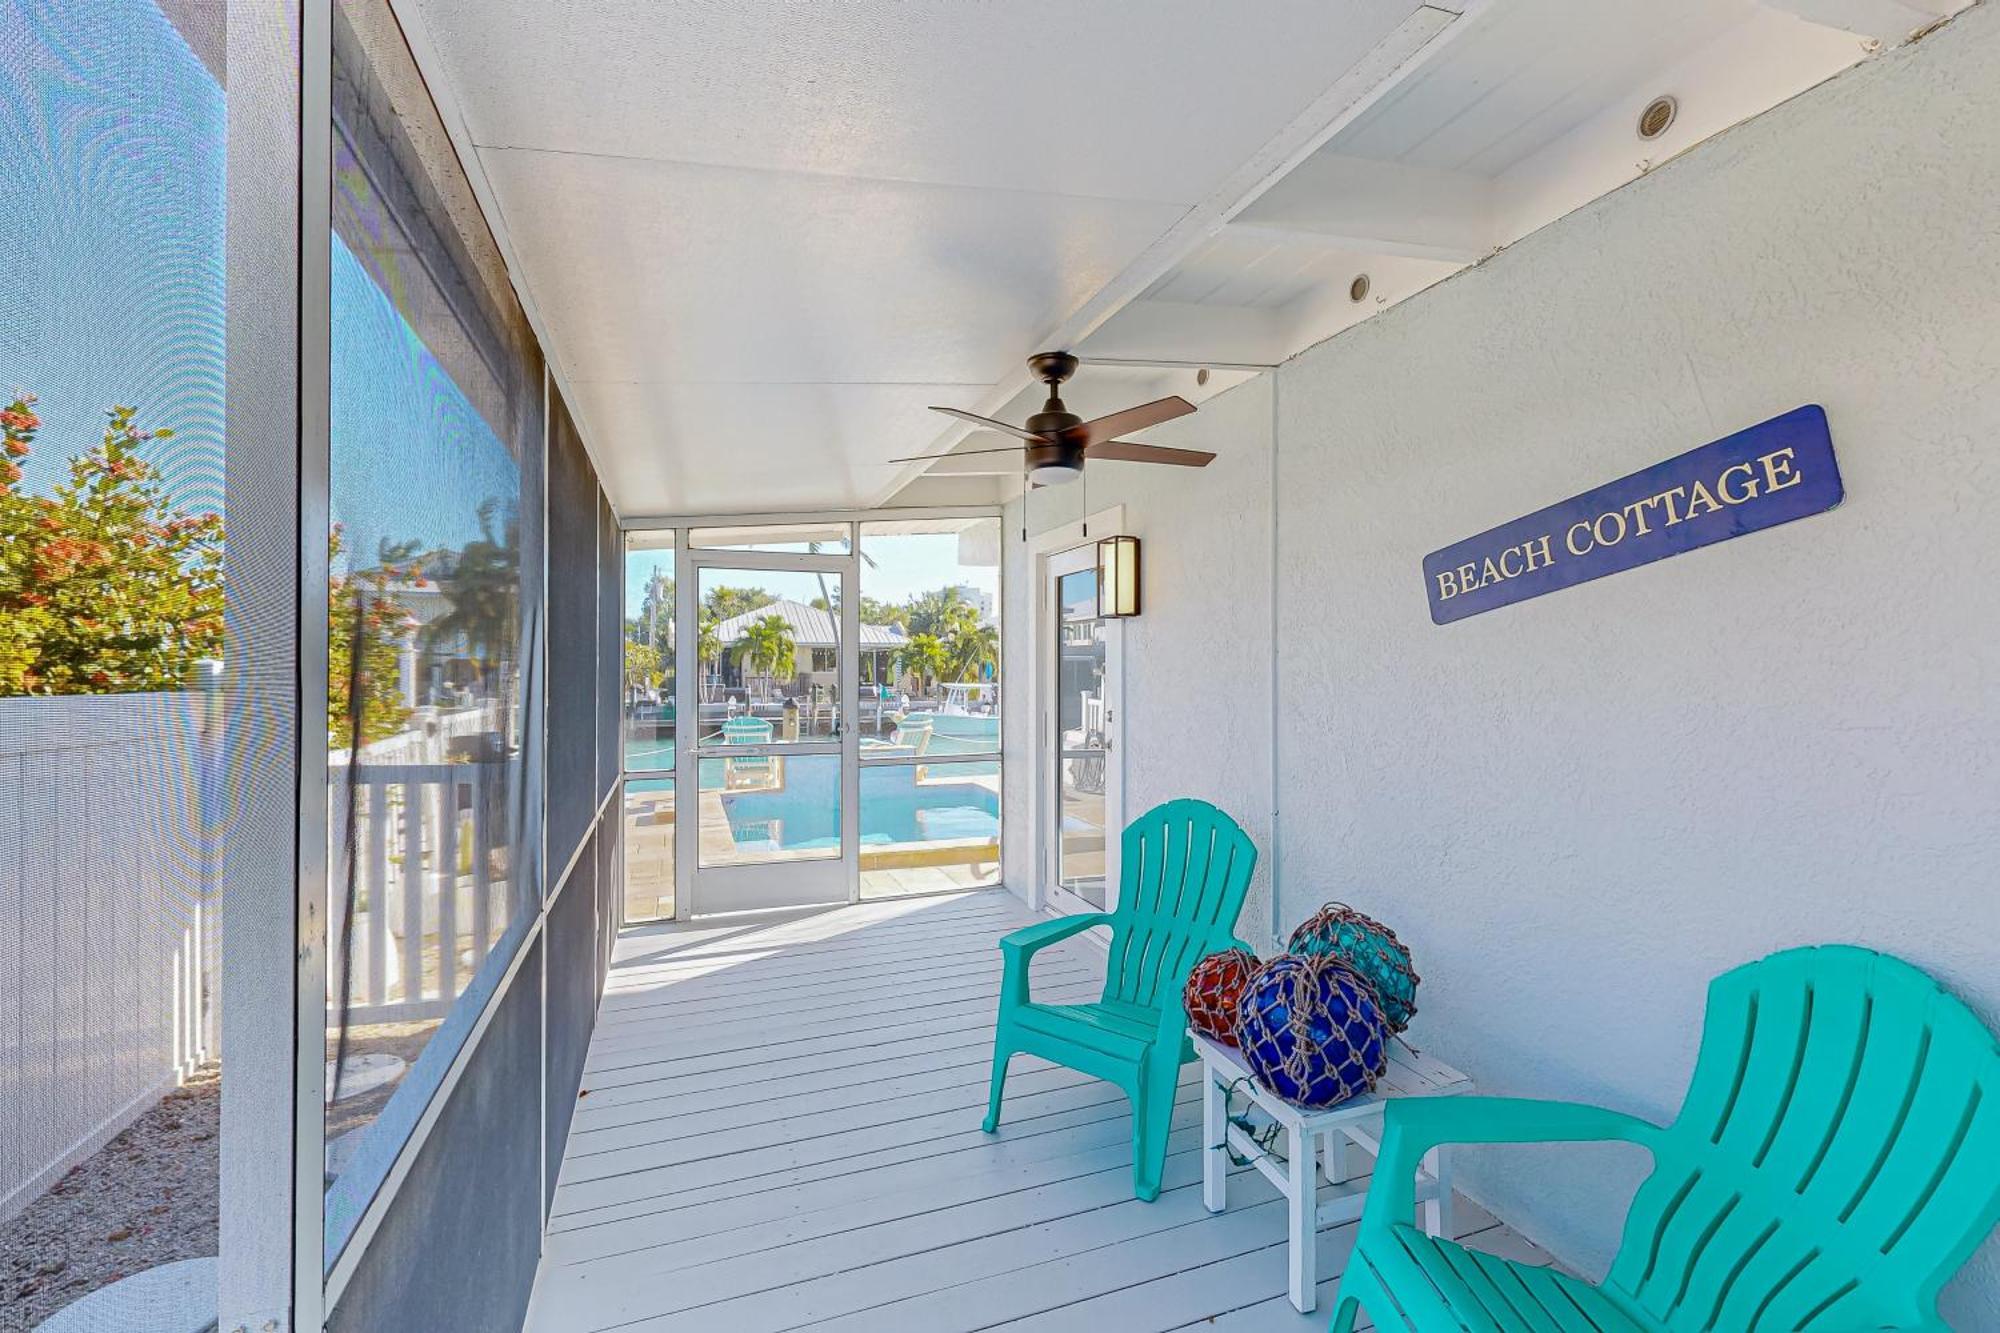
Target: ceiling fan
[1059,442]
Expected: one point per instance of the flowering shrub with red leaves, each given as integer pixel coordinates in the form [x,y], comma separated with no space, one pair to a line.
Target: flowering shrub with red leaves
[105,587]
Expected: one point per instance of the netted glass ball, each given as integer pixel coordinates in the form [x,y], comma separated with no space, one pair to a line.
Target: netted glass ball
[1312,1031]
[1212,990]
[1370,948]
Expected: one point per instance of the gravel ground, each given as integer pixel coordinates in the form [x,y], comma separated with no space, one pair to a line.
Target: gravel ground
[146,1198]
[401,1039]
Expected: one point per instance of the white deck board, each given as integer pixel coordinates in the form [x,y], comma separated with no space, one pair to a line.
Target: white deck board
[780,1129]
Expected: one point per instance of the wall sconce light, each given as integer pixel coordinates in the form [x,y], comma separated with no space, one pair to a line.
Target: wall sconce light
[1117,577]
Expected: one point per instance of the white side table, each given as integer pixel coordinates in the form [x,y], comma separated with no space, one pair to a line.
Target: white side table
[1319,1138]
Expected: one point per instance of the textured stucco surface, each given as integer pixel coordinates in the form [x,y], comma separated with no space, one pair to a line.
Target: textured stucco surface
[1580,808]
[1198,662]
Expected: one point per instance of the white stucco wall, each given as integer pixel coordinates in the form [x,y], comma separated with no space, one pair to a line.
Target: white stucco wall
[1198,662]
[1581,808]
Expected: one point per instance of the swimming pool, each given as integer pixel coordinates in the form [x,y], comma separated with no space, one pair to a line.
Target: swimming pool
[895,808]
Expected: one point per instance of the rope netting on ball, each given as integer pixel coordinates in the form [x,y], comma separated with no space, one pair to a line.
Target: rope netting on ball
[1212,990]
[1312,1030]
[1370,948]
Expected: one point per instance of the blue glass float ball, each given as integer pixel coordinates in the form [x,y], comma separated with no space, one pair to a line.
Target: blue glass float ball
[1370,948]
[1312,1031]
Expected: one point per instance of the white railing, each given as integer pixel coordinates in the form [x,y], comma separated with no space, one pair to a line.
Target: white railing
[107,927]
[428,905]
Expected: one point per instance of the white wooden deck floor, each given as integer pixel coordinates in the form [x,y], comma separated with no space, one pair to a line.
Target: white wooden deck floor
[780,1129]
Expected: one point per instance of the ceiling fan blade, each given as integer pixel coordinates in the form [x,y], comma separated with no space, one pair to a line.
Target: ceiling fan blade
[991,424]
[960,453]
[1007,464]
[1125,451]
[1133,418]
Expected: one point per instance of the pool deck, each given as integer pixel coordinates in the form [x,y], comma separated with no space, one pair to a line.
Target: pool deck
[780,1129]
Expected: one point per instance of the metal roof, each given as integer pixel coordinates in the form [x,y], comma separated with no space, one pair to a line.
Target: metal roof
[810,627]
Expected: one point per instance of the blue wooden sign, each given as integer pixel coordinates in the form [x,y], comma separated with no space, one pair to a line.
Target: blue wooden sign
[1772,473]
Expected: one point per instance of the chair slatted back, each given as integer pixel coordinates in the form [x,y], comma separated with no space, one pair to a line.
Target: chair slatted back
[1185,870]
[1832,1164]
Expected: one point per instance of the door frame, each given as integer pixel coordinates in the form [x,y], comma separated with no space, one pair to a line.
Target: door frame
[1049,550]
[687,681]
[820,881]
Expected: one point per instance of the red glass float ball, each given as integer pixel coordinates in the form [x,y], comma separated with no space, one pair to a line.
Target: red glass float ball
[1213,989]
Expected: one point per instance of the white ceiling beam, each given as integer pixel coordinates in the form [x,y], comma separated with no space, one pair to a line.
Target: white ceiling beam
[1376,208]
[1742,72]
[1354,242]
[1185,333]
[1414,42]
[1890,22]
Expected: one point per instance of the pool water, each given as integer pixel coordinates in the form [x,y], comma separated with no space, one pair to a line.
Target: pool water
[895,807]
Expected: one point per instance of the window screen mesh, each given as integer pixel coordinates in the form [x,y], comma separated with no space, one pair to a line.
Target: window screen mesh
[434,681]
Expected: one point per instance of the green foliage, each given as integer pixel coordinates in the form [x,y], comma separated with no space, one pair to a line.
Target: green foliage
[923,657]
[708,644]
[484,589]
[884,613]
[767,648]
[105,587]
[642,665]
[365,629]
[971,647]
[940,613]
[725,602]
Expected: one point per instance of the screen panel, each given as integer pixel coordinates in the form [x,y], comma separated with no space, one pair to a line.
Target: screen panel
[433,631]
[572,1001]
[119,475]
[610,576]
[458,1250]
[572,611]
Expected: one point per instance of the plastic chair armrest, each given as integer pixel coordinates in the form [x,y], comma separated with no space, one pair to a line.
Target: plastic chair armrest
[1043,933]
[1018,948]
[1412,1126]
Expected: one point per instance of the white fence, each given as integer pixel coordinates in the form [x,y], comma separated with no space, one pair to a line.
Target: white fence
[428,903]
[430,899]
[111,907]
[107,933]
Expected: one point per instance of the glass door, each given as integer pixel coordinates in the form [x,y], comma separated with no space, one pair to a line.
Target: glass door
[765,772]
[1079,730]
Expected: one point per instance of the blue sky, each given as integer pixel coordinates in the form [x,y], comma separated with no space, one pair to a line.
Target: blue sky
[904,566]
[111,230]
[412,457]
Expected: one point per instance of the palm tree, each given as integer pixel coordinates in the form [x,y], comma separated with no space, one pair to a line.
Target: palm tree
[766,647]
[484,588]
[707,648]
[924,657]
[941,612]
[971,647]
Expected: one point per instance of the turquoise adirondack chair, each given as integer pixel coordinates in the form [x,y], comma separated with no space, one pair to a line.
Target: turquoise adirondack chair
[1831,1167]
[1185,869]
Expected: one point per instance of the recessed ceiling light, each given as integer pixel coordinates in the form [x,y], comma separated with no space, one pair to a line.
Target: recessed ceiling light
[1358,289]
[1657,116]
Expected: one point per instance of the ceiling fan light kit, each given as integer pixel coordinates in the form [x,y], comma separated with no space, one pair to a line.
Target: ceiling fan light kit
[1056,442]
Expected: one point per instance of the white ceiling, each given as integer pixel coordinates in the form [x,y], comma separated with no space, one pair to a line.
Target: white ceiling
[760,238]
